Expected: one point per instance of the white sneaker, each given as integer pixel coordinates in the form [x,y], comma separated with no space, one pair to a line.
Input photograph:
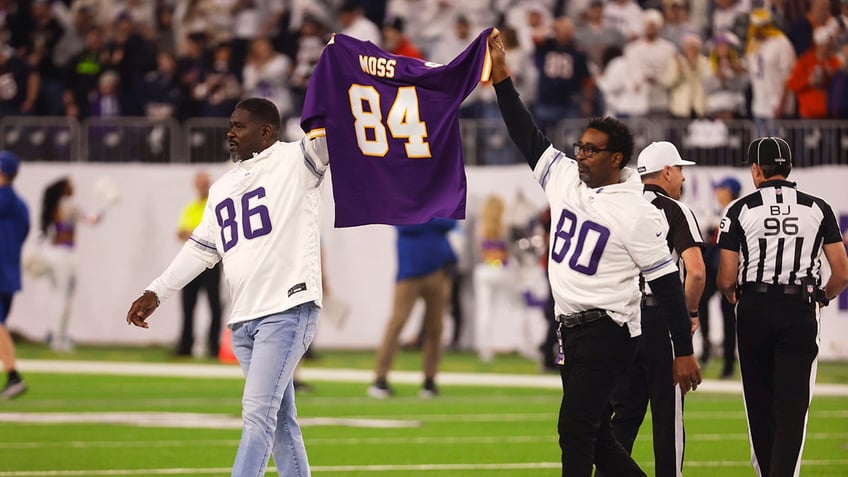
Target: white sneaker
[63,345]
[13,390]
[379,392]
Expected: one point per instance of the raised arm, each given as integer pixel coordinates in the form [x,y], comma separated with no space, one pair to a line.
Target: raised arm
[519,122]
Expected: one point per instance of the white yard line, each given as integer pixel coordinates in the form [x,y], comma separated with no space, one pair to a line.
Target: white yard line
[369,468]
[378,441]
[545,381]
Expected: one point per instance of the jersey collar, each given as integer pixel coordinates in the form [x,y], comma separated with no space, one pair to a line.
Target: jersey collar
[259,156]
[656,188]
[777,183]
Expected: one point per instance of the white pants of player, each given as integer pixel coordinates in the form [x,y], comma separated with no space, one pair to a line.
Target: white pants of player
[493,292]
[62,271]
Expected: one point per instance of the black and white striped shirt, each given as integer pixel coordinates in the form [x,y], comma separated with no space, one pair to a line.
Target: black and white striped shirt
[683,230]
[779,232]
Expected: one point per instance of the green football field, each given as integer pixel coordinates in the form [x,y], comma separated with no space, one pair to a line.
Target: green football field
[121,419]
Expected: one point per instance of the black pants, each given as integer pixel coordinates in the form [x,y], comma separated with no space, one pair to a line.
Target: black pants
[777,354]
[651,379]
[210,282]
[596,356]
[549,346]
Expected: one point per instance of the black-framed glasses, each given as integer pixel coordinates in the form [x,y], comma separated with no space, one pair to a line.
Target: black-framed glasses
[589,150]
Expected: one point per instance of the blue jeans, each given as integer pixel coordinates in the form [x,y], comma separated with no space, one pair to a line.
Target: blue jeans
[268,350]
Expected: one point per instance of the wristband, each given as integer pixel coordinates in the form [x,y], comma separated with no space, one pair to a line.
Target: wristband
[693,314]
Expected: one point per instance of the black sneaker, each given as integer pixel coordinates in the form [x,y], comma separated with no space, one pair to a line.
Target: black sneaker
[13,390]
[428,390]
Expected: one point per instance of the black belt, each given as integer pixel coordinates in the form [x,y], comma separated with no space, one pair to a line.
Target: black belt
[758,287]
[584,317]
[650,301]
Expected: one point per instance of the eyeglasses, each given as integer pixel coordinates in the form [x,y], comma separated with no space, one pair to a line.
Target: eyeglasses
[589,150]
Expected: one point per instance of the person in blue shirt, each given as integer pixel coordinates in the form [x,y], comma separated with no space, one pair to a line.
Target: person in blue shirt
[14,227]
[424,257]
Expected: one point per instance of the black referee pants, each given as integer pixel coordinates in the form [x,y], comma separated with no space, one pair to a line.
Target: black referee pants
[651,379]
[596,356]
[210,281]
[777,354]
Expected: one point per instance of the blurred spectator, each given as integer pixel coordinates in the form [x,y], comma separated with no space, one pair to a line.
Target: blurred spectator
[493,287]
[800,33]
[251,19]
[163,95]
[684,79]
[353,22]
[82,74]
[565,85]
[40,41]
[73,39]
[105,139]
[625,91]
[266,75]
[310,43]
[424,255]
[218,90]
[106,102]
[418,16]
[394,40]
[524,74]
[132,56]
[14,228]
[209,280]
[200,18]
[811,76]
[727,80]
[649,58]
[840,24]
[725,191]
[142,14]
[837,96]
[677,25]
[539,26]
[164,35]
[626,17]
[593,36]
[190,65]
[19,84]
[726,15]
[452,42]
[770,57]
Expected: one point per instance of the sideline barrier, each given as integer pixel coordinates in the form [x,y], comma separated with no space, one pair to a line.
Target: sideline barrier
[485,140]
[136,240]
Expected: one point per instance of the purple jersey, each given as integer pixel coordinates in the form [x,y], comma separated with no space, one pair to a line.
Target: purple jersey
[393,130]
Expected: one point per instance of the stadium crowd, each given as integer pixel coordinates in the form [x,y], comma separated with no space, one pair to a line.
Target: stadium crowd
[654,58]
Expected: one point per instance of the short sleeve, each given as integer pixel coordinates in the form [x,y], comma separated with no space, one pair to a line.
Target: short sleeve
[647,244]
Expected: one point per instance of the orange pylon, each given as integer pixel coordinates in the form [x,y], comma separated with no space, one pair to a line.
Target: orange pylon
[225,351]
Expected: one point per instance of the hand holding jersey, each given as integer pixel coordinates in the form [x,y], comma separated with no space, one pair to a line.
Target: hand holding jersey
[603,234]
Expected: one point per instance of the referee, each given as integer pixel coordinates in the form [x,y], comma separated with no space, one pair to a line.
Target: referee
[650,377]
[771,243]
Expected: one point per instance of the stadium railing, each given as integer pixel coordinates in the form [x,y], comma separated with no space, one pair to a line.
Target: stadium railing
[485,141]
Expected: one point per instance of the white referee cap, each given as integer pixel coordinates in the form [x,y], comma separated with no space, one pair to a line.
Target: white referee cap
[657,155]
